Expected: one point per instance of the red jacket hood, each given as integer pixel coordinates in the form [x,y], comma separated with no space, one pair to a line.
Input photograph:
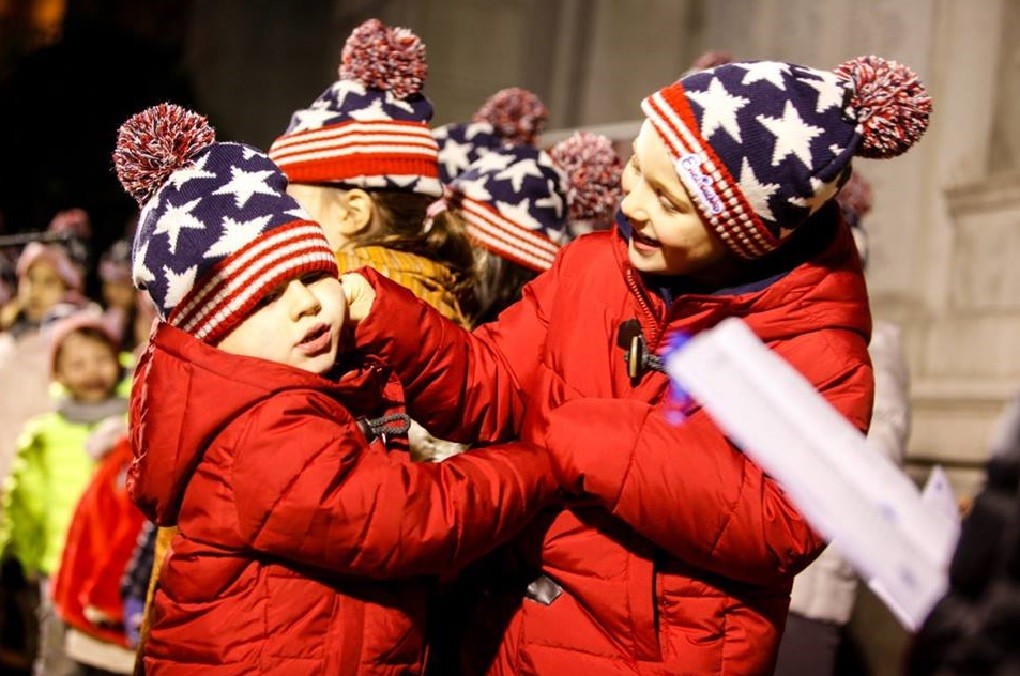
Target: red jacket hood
[187,392]
[816,283]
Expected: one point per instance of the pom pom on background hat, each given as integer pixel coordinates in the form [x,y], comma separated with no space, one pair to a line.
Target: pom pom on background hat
[508,117]
[369,129]
[761,146]
[217,230]
[593,172]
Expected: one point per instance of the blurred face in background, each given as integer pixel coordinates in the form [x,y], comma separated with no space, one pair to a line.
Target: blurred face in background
[40,289]
[119,294]
[87,366]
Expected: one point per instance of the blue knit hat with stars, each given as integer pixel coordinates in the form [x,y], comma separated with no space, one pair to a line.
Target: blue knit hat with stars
[217,231]
[760,146]
[513,199]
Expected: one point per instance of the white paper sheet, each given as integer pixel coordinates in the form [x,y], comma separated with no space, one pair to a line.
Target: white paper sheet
[850,493]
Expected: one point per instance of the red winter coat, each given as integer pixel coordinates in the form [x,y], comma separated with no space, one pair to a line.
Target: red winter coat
[99,544]
[685,562]
[302,546]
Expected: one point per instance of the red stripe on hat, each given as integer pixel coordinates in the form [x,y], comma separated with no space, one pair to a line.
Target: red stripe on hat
[497,233]
[338,169]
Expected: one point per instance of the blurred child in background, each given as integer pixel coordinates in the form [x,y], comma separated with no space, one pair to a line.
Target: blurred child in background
[52,467]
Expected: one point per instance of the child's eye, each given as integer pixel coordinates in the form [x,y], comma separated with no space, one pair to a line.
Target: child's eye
[313,277]
[668,206]
[269,298]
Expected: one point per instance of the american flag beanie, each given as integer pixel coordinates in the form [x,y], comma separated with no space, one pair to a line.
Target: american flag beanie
[370,128]
[217,231]
[519,202]
[760,146]
[509,117]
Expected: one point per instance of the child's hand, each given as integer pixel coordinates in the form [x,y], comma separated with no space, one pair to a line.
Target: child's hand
[360,296]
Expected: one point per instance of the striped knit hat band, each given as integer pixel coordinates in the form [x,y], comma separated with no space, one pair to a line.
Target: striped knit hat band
[507,239]
[348,151]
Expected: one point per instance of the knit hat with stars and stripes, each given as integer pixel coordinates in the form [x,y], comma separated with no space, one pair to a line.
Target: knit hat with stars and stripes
[217,230]
[760,146]
[370,129]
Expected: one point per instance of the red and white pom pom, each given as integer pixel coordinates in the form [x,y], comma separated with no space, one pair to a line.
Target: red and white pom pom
[593,172]
[155,143]
[517,115]
[890,102]
[384,58]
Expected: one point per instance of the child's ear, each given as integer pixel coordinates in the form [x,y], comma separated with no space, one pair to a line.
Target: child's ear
[357,209]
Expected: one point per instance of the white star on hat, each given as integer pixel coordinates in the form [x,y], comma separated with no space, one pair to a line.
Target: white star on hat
[175,219]
[518,170]
[398,103]
[823,192]
[243,184]
[519,214]
[177,285]
[765,70]
[475,189]
[476,128]
[454,156]
[237,235]
[139,272]
[830,92]
[492,162]
[793,135]
[341,88]
[194,172]
[553,200]
[310,118]
[720,109]
[374,111]
[757,193]
[299,213]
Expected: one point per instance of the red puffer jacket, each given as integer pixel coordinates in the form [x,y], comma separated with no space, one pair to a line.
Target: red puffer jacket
[302,546]
[684,563]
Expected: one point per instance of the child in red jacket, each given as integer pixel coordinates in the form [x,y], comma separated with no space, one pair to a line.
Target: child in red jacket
[304,542]
[681,555]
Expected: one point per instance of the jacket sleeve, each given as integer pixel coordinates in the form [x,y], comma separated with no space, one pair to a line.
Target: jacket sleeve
[337,503]
[687,488]
[461,386]
[24,504]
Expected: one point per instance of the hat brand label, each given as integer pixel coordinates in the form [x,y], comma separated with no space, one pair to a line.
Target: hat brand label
[689,166]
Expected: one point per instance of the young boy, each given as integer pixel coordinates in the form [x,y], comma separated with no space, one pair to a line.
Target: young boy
[303,540]
[681,556]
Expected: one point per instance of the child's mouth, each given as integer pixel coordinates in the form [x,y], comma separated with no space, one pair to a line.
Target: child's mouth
[317,341]
[644,242]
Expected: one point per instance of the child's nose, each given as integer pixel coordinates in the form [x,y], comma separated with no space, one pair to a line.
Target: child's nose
[303,301]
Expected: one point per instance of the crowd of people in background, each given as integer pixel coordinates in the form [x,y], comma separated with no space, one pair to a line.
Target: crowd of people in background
[542,514]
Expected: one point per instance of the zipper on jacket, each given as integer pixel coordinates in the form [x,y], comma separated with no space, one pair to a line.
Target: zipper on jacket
[635,288]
